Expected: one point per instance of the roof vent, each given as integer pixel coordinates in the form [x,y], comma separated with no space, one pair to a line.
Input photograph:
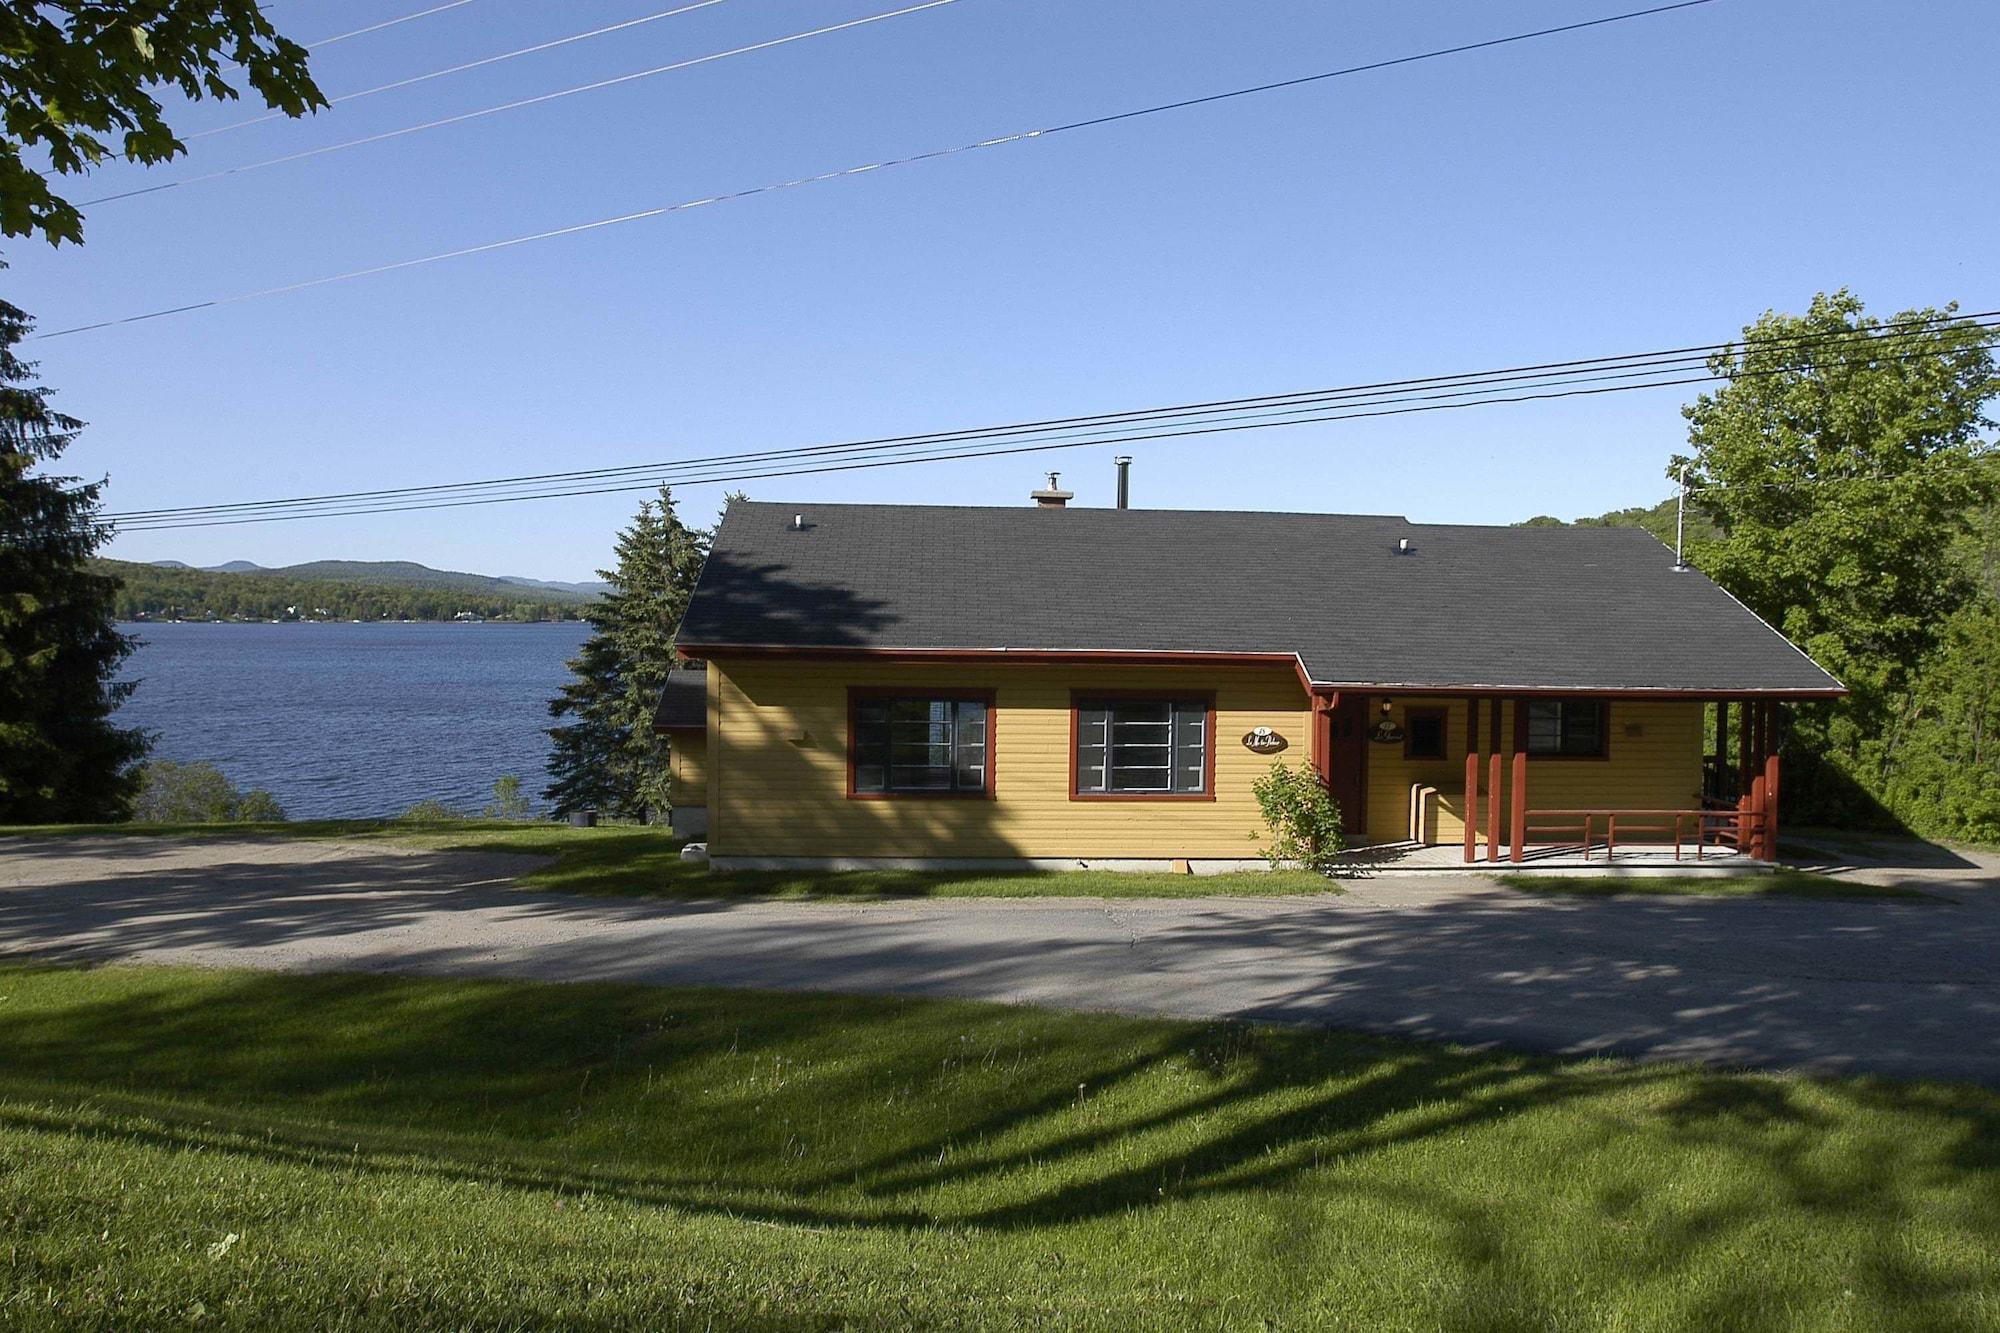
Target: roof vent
[798,522]
[1403,546]
[1052,496]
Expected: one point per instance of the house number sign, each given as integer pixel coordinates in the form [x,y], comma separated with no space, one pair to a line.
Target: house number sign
[1263,740]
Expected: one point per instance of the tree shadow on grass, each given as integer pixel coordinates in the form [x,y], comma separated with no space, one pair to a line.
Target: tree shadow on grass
[865,1113]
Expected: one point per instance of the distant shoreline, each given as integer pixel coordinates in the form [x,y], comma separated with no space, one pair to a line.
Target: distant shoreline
[494,620]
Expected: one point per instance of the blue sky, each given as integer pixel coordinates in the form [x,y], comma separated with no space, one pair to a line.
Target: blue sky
[1645,185]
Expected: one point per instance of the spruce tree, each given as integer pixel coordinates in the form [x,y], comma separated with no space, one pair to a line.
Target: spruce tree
[61,758]
[607,754]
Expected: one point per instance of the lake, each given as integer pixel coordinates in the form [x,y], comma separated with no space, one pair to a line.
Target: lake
[347,721]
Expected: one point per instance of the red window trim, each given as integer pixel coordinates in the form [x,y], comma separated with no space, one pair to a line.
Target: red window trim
[1603,751]
[1076,697]
[856,693]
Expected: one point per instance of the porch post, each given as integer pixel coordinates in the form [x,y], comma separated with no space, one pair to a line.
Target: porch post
[1757,818]
[1471,777]
[1518,836]
[1771,785]
[1744,825]
[1493,784]
[1743,742]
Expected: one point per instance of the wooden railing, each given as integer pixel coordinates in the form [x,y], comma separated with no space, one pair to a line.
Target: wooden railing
[1736,829]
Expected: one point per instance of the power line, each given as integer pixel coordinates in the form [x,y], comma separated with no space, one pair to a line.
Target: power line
[514,105]
[481,63]
[1546,374]
[325,42]
[864,169]
[1207,415]
[745,467]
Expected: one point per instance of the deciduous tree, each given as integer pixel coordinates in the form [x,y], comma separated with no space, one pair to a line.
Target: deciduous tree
[77,79]
[1844,464]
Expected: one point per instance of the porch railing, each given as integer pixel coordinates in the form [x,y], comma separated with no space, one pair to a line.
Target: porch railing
[1700,831]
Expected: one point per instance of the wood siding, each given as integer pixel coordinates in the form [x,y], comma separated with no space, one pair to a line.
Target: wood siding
[1654,764]
[778,736]
[687,762]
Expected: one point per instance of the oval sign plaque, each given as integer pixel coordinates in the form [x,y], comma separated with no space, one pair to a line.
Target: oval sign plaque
[1263,740]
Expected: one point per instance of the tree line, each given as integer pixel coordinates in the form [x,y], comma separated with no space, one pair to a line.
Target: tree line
[155,592]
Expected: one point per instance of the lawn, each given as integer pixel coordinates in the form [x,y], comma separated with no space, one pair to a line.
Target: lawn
[243,1150]
[1781,883]
[635,861]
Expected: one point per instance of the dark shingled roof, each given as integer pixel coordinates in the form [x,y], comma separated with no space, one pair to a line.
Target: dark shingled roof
[1585,608]
[684,698]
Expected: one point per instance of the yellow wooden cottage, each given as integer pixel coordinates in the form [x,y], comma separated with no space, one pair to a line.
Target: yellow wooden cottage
[924,685]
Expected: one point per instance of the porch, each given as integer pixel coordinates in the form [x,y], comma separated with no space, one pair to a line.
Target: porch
[1556,780]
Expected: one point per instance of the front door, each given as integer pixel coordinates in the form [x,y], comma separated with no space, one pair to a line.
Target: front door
[1347,762]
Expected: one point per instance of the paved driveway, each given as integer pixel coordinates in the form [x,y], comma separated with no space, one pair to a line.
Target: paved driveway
[1902,988]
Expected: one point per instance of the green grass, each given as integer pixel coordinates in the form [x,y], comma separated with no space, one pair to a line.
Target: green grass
[1781,883]
[243,1150]
[633,861]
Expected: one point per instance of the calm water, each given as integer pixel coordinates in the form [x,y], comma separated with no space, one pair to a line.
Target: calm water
[350,720]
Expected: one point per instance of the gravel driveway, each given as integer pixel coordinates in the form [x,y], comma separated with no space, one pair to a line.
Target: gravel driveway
[1907,988]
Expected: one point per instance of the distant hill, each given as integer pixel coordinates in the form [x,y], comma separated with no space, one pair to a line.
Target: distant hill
[408,574]
[594,588]
[331,590]
[399,574]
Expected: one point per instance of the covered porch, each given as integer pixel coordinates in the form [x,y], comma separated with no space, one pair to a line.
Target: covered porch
[1555,780]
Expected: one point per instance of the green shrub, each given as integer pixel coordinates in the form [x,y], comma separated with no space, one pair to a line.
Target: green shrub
[1301,819]
[197,793]
[508,802]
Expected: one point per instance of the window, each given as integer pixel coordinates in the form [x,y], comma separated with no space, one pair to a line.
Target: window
[1423,733]
[920,745]
[1142,747]
[1573,728]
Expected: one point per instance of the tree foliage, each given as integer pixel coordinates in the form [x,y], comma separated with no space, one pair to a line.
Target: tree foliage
[77,79]
[1659,519]
[198,793]
[607,755]
[509,801]
[1302,824]
[1845,467]
[61,758]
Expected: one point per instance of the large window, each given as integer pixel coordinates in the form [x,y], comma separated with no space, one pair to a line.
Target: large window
[1572,728]
[921,745]
[1143,747]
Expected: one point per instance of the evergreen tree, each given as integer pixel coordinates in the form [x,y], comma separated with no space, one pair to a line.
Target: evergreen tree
[61,759]
[608,755]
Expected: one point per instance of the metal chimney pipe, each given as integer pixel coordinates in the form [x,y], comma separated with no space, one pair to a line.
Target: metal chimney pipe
[1124,462]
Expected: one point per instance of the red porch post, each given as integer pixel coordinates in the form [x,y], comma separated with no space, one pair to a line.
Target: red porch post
[1472,777]
[1771,785]
[1745,828]
[1757,818]
[1518,835]
[1493,784]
